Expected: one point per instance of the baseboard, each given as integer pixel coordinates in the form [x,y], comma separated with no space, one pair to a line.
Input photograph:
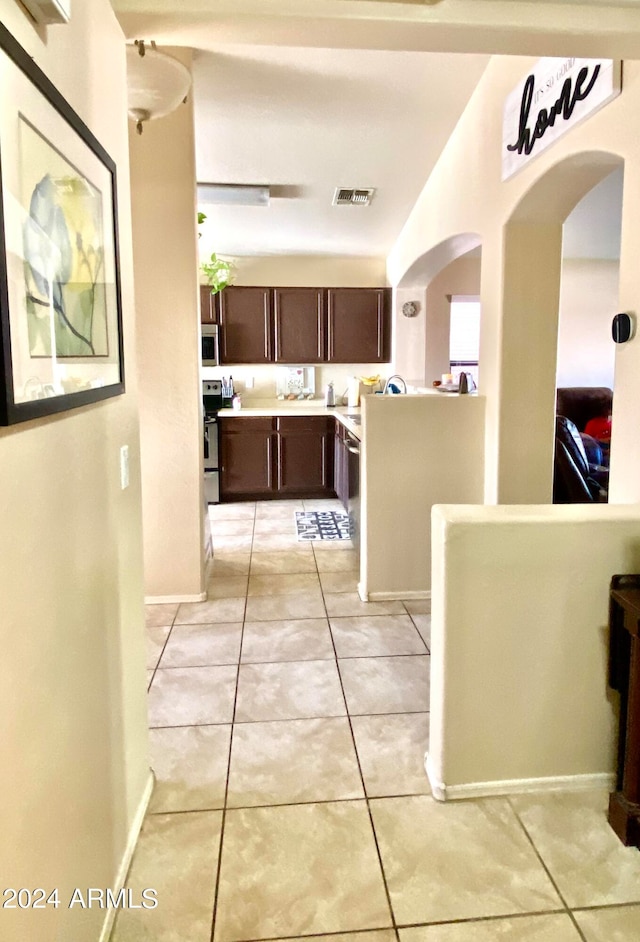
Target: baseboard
[162,599]
[517,786]
[407,595]
[125,863]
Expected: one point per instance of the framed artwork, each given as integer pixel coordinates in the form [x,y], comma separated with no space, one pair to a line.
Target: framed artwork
[60,308]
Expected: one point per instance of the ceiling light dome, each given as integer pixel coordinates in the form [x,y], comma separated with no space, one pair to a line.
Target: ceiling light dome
[156,82]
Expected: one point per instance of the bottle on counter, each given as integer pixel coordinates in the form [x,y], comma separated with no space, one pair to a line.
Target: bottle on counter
[329,396]
[236,403]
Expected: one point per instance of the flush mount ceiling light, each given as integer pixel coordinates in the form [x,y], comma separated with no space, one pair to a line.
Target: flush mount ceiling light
[156,82]
[352,197]
[239,194]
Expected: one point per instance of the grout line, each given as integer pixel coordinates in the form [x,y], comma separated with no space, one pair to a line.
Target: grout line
[364,787]
[547,870]
[226,787]
[294,719]
[298,804]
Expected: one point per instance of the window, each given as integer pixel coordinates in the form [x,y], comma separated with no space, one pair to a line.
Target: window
[464,335]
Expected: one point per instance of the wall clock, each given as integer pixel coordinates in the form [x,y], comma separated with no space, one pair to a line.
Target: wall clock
[410,308]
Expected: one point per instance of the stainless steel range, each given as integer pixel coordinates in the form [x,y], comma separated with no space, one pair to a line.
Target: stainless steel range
[212,401]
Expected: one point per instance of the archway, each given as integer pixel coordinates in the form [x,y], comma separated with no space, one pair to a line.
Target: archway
[522,407]
[450,268]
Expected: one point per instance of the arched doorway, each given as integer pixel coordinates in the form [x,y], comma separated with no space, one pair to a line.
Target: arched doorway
[522,408]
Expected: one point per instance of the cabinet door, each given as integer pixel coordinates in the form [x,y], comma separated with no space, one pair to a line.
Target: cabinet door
[299,319]
[246,330]
[305,456]
[246,457]
[359,325]
[208,312]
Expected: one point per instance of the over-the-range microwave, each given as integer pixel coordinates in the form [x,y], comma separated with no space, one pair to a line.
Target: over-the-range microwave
[210,345]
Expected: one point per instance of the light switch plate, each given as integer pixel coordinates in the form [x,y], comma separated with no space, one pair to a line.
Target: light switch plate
[49,11]
[124,467]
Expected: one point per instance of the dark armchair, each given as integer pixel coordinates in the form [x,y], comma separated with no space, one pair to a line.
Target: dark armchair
[578,477]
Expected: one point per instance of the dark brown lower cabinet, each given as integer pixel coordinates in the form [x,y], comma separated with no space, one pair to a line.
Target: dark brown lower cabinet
[269,458]
[247,448]
[305,456]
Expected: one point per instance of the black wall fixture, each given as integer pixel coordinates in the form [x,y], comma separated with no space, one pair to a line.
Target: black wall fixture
[621,328]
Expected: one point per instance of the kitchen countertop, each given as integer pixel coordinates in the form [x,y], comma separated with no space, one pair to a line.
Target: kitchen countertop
[276,407]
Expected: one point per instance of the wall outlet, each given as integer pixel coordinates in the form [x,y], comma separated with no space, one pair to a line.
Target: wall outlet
[248,383]
[124,467]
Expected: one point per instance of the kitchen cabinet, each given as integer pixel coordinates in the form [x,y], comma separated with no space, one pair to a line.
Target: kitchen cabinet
[208,306]
[247,448]
[358,325]
[305,456]
[246,329]
[284,456]
[299,316]
[302,325]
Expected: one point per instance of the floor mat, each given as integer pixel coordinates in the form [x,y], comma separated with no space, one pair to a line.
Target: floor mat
[322,525]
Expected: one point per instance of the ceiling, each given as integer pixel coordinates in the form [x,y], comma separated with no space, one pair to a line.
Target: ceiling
[310,95]
[309,120]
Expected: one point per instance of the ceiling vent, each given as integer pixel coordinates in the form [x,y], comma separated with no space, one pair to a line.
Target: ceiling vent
[352,197]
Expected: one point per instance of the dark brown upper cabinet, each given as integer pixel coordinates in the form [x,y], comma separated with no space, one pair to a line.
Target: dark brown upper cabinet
[208,306]
[299,325]
[359,325]
[246,331]
[303,325]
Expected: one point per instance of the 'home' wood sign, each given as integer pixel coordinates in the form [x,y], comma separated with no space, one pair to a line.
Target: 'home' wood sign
[555,96]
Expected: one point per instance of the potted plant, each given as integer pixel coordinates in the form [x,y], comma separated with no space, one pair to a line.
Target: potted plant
[218,272]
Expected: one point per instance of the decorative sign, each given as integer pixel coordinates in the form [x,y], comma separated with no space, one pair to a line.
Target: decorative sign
[554,97]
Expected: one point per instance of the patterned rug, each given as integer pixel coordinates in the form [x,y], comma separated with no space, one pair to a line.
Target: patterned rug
[322,525]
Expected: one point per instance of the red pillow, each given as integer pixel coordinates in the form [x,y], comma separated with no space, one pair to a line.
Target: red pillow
[599,428]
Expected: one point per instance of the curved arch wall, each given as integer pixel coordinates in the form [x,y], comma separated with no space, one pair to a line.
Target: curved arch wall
[519,223]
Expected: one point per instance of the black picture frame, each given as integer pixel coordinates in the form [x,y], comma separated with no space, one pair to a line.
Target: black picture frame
[61,343]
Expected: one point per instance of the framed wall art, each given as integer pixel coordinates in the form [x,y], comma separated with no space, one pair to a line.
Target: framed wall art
[60,309]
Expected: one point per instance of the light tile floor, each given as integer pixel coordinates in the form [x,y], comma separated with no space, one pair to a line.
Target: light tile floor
[288,728]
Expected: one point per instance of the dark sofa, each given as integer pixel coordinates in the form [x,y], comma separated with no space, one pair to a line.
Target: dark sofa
[581,403]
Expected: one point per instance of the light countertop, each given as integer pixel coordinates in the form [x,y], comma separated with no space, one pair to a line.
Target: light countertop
[276,407]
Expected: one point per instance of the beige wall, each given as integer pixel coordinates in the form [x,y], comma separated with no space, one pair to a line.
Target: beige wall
[72,690]
[460,277]
[168,325]
[465,194]
[588,301]
[312,271]
[417,451]
[519,693]
[502,649]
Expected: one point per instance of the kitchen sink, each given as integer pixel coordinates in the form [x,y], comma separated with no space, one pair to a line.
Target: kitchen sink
[356,419]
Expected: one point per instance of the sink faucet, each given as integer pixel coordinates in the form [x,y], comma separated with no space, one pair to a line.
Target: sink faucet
[395,376]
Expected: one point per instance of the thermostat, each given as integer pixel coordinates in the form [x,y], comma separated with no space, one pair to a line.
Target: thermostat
[621,328]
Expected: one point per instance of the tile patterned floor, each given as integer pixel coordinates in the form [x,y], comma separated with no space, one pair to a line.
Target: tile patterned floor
[289,723]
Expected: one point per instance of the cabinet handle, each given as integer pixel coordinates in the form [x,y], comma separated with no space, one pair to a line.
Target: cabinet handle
[320,331]
[380,299]
[267,338]
[269,463]
[329,329]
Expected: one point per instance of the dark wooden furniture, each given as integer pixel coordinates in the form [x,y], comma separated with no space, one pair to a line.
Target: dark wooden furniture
[299,325]
[246,331]
[624,676]
[208,306]
[247,448]
[359,319]
[303,325]
[305,456]
[268,458]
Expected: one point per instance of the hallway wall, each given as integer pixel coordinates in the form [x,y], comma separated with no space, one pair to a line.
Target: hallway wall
[73,750]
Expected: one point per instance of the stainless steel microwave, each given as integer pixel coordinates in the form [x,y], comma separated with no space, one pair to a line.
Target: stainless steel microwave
[210,345]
